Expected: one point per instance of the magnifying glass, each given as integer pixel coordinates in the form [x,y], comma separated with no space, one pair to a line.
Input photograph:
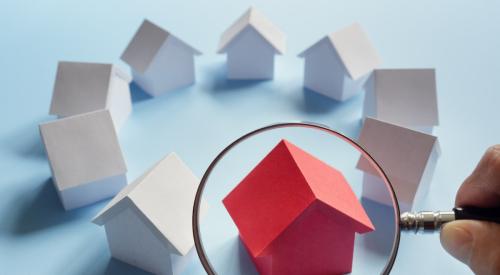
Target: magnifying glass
[288,199]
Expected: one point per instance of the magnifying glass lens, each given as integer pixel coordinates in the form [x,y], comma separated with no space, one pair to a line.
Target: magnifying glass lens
[297,199]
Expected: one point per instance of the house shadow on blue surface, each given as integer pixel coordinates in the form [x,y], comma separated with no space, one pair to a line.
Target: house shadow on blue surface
[26,142]
[315,103]
[233,258]
[115,267]
[383,218]
[33,148]
[220,83]
[137,94]
[44,210]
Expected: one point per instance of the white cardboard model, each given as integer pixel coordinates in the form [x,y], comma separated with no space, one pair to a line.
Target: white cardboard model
[85,87]
[148,224]
[338,65]
[160,61]
[85,158]
[405,97]
[251,44]
[407,157]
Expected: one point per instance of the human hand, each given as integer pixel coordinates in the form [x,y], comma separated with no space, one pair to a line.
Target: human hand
[477,243]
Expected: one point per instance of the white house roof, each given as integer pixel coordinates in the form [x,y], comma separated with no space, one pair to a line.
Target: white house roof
[146,43]
[354,49]
[164,198]
[253,18]
[82,149]
[82,87]
[405,96]
[402,153]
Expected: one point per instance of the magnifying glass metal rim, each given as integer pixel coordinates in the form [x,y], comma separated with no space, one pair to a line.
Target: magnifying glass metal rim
[196,207]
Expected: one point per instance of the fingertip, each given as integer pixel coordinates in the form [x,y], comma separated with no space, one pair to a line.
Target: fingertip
[456,238]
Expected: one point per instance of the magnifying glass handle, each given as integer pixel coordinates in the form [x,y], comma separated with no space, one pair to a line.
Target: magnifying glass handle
[429,221]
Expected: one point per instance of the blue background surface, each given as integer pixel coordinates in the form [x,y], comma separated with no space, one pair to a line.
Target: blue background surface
[459,38]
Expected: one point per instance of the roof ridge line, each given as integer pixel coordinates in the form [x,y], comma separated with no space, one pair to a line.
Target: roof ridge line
[291,222]
[284,141]
[317,197]
[354,220]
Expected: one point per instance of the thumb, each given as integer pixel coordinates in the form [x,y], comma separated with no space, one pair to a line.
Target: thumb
[475,243]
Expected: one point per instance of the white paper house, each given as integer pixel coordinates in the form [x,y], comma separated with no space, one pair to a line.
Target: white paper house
[160,61]
[407,157]
[85,87]
[251,44]
[406,97]
[148,224]
[338,65]
[85,158]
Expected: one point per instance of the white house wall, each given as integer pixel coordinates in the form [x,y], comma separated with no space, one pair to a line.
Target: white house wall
[369,105]
[375,189]
[119,101]
[131,241]
[425,181]
[92,192]
[320,65]
[250,56]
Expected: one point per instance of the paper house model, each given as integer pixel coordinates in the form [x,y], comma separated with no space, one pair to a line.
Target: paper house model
[85,158]
[160,61]
[250,44]
[148,224]
[338,65]
[407,157]
[86,87]
[297,215]
[405,97]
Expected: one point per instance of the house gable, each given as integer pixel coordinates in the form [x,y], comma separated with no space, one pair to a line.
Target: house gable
[163,196]
[319,46]
[264,27]
[324,237]
[353,48]
[323,71]
[145,45]
[172,66]
[131,240]
[250,56]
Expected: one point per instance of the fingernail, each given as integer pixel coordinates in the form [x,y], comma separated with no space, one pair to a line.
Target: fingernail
[457,240]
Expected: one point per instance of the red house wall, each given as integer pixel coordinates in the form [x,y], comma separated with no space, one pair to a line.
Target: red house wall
[317,242]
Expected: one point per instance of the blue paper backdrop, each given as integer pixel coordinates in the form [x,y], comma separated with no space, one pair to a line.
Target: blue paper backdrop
[459,38]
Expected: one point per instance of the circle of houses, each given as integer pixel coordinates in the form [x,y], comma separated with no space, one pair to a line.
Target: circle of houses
[149,220]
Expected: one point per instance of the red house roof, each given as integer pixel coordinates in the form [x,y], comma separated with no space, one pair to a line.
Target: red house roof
[281,187]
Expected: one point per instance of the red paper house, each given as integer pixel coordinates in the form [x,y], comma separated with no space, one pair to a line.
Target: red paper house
[297,215]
